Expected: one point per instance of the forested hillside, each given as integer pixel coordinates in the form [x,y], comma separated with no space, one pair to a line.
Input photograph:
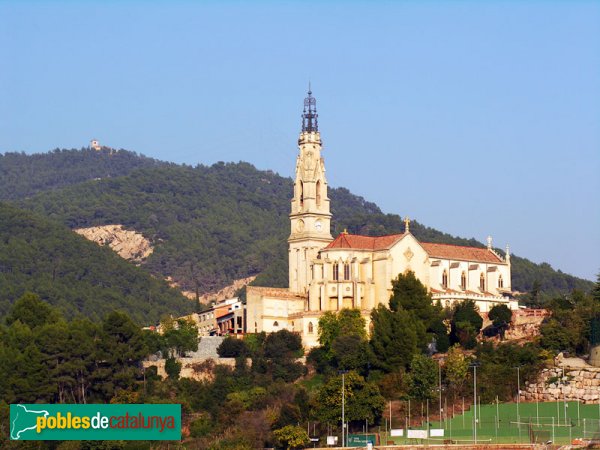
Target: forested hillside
[24,175]
[75,275]
[211,225]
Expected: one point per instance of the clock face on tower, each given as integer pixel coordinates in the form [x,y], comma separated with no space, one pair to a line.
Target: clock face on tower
[300,225]
[318,225]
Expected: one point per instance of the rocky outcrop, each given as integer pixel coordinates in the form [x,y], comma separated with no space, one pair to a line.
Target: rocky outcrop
[128,244]
[225,293]
[574,381]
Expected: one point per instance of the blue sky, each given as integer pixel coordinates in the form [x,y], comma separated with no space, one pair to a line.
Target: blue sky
[475,118]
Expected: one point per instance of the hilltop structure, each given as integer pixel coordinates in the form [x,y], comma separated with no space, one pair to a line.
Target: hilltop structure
[354,271]
[95,145]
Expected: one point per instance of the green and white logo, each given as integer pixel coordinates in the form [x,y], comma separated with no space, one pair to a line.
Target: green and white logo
[95,422]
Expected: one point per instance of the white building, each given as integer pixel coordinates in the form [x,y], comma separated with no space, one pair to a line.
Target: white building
[95,145]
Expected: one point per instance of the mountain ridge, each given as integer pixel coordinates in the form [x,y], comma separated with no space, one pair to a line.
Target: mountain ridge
[213,224]
[23,175]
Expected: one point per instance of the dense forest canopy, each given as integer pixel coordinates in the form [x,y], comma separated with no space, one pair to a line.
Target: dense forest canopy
[211,225]
[23,175]
[75,275]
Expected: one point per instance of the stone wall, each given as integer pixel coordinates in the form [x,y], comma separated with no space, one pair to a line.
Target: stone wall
[577,383]
[196,368]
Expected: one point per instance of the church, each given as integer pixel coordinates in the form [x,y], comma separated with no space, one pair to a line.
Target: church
[354,271]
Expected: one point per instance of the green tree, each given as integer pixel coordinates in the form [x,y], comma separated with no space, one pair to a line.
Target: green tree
[288,414]
[201,426]
[362,400]
[345,322]
[466,324]
[351,322]
[410,294]
[172,368]
[119,355]
[83,360]
[556,337]
[291,437]
[596,290]
[569,327]
[499,362]
[351,352]
[393,338]
[283,344]
[277,356]
[500,315]
[180,336]
[534,294]
[501,318]
[440,332]
[456,368]
[32,311]
[423,377]
[155,342]
[232,348]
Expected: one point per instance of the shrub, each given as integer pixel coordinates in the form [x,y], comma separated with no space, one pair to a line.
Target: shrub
[232,348]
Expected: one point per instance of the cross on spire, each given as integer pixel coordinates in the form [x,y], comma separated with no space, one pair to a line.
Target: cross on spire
[406,224]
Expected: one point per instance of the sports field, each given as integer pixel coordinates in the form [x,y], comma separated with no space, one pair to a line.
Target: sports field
[559,422]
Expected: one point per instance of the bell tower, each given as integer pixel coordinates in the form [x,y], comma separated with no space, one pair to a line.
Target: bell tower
[310,217]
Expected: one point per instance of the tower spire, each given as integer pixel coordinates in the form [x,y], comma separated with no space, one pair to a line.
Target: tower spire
[310,121]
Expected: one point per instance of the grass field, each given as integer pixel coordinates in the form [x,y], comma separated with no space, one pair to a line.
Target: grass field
[523,423]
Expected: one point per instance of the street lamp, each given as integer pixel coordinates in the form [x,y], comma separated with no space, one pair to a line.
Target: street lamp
[440,387]
[474,365]
[343,372]
[518,399]
[518,395]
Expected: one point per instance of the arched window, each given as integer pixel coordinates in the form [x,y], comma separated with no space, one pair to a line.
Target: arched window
[301,194]
[336,271]
[275,324]
[463,280]
[319,193]
[482,281]
[445,278]
[346,271]
[500,282]
[255,327]
[310,328]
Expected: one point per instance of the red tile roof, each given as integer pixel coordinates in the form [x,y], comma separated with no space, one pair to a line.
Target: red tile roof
[448,251]
[443,251]
[357,241]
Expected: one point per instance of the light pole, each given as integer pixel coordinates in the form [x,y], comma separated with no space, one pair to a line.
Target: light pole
[474,366]
[343,372]
[475,402]
[518,397]
[343,412]
[440,384]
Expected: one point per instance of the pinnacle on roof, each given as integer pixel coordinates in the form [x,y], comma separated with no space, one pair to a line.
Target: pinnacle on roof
[310,121]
